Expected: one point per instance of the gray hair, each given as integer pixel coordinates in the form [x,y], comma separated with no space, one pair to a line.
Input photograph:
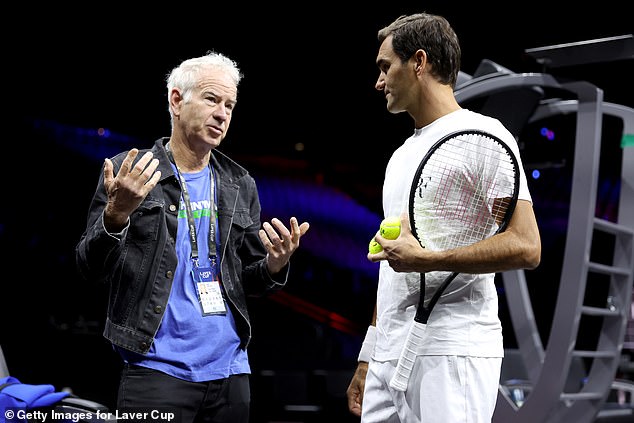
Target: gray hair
[185,75]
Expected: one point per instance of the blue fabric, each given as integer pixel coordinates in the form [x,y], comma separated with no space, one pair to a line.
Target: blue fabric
[188,345]
[16,395]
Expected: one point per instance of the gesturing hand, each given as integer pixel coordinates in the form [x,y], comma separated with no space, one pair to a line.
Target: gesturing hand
[280,243]
[128,188]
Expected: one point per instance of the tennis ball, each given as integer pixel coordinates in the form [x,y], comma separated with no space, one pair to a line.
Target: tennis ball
[374,247]
[390,227]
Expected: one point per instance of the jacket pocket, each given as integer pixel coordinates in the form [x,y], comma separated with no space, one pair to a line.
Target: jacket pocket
[145,221]
[239,223]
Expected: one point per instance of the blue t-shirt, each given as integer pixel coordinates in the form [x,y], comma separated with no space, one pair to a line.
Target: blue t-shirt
[188,345]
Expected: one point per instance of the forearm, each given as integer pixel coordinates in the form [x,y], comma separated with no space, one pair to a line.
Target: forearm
[502,252]
[518,247]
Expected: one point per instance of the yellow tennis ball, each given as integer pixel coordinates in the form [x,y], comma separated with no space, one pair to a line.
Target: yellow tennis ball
[390,227]
[374,247]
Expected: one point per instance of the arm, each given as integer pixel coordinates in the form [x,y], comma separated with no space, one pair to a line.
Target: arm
[357,384]
[115,199]
[518,247]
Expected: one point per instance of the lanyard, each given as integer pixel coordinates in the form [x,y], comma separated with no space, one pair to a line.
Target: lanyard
[190,216]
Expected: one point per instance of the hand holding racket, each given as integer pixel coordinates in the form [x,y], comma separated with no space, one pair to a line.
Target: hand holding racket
[464,191]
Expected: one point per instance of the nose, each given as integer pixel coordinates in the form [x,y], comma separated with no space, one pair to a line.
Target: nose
[220,112]
[380,83]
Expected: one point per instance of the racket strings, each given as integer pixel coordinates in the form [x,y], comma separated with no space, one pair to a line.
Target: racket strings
[463,192]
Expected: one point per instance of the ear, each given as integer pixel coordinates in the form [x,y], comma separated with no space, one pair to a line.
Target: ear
[175,101]
[420,60]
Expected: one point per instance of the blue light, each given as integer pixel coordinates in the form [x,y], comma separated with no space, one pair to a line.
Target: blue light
[536,174]
[545,132]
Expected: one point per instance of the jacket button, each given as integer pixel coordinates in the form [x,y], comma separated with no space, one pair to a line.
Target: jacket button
[158,309]
[172,207]
[169,274]
[143,345]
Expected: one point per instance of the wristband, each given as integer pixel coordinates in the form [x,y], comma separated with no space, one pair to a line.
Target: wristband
[368,345]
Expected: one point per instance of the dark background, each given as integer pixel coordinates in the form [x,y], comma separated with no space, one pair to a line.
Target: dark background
[309,80]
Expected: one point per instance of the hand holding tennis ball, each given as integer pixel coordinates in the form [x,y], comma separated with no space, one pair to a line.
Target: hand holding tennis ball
[390,228]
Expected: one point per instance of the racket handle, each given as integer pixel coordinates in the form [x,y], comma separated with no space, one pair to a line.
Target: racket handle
[408,356]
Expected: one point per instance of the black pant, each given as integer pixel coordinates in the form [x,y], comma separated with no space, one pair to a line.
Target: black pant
[155,397]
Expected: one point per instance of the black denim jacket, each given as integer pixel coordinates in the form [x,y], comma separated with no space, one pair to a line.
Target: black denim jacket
[139,265]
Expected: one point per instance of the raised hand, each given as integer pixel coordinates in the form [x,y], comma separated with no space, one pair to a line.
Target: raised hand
[128,188]
[280,243]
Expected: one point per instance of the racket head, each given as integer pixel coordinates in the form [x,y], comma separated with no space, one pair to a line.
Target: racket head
[464,190]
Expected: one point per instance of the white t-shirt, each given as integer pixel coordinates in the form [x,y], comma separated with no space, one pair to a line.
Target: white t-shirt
[465,320]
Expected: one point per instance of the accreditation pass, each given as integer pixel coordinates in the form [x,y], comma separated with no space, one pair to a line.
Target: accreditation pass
[209,291]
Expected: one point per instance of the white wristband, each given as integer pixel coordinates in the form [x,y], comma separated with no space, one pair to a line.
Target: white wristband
[368,345]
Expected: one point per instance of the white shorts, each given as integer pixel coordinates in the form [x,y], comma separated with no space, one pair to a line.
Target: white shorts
[442,389]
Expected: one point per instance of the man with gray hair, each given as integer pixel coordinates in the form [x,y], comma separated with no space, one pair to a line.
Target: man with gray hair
[175,233]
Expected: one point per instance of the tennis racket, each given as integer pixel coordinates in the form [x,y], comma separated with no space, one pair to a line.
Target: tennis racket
[464,191]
